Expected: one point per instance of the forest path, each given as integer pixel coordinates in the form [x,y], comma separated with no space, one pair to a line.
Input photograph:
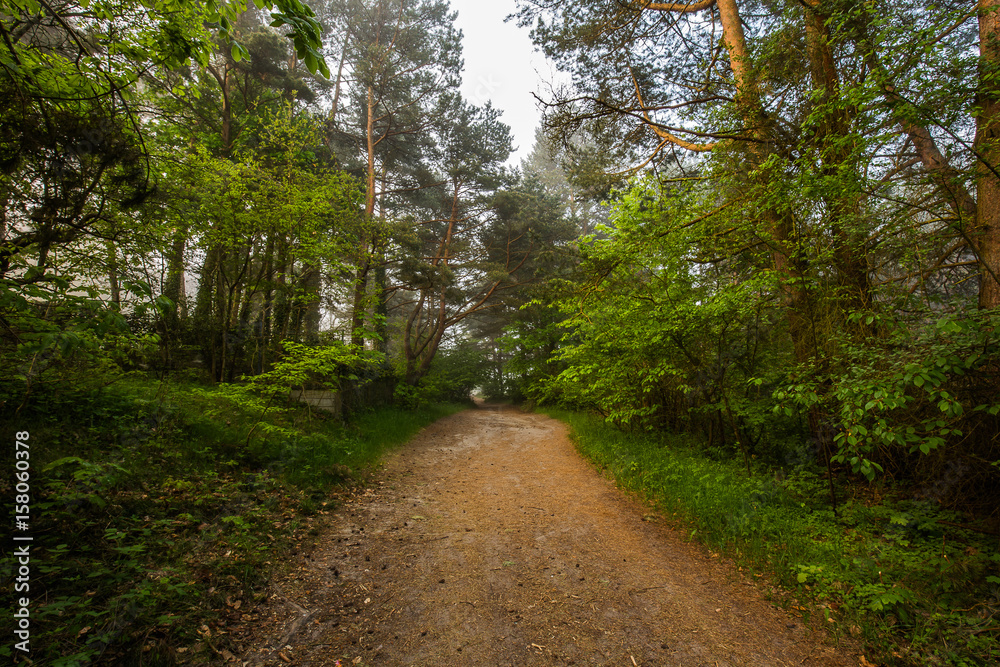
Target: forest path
[488,540]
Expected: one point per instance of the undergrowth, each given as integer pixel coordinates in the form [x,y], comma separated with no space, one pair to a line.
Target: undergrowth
[159,511]
[900,573]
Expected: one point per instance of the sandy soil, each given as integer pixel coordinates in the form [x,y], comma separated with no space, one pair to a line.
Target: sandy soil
[489,541]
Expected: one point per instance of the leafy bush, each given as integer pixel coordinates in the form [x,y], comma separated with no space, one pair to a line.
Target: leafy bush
[914,400]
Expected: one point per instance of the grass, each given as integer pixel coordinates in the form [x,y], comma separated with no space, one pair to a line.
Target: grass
[917,591]
[159,512]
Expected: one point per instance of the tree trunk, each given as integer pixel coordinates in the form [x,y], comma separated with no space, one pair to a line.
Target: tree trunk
[173,286]
[419,347]
[381,279]
[267,309]
[853,281]
[419,355]
[777,217]
[336,87]
[360,304]
[987,146]
[204,307]
[282,305]
[114,282]
[227,114]
[311,280]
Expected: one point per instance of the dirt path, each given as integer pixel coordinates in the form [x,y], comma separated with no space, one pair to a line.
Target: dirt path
[489,541]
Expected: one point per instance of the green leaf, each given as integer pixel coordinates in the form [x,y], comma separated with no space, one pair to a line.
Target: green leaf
[63,461]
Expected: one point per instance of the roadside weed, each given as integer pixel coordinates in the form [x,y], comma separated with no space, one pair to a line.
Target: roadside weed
[900,572]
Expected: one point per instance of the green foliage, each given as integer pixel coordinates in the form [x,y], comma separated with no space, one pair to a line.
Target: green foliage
[277,186]
[922,390]
[784,286]
[652,343]
[167,32]
[329,366]
[454,374]
[531,341]
[63,345]
[270,219]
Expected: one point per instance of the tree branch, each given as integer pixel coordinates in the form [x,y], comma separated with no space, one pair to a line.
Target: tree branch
[677,7]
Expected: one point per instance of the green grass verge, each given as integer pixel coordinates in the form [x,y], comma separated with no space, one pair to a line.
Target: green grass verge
[918,591]
[159,512]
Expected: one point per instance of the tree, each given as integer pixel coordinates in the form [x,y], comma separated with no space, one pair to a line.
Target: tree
[223,106]
[629,93]
[517,330]
[918,108]
[397,60]
[548,163]
[794,85]
[452,270]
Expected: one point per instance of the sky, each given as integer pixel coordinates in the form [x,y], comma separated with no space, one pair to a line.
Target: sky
[501,65]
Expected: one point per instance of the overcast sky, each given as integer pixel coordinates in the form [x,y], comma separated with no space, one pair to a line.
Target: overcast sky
[502,65]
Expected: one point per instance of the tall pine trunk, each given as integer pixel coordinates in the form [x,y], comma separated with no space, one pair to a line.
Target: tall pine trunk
[114,279]
[311,283]
[853,278]
[987,146]
[360,301]
[776,215]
